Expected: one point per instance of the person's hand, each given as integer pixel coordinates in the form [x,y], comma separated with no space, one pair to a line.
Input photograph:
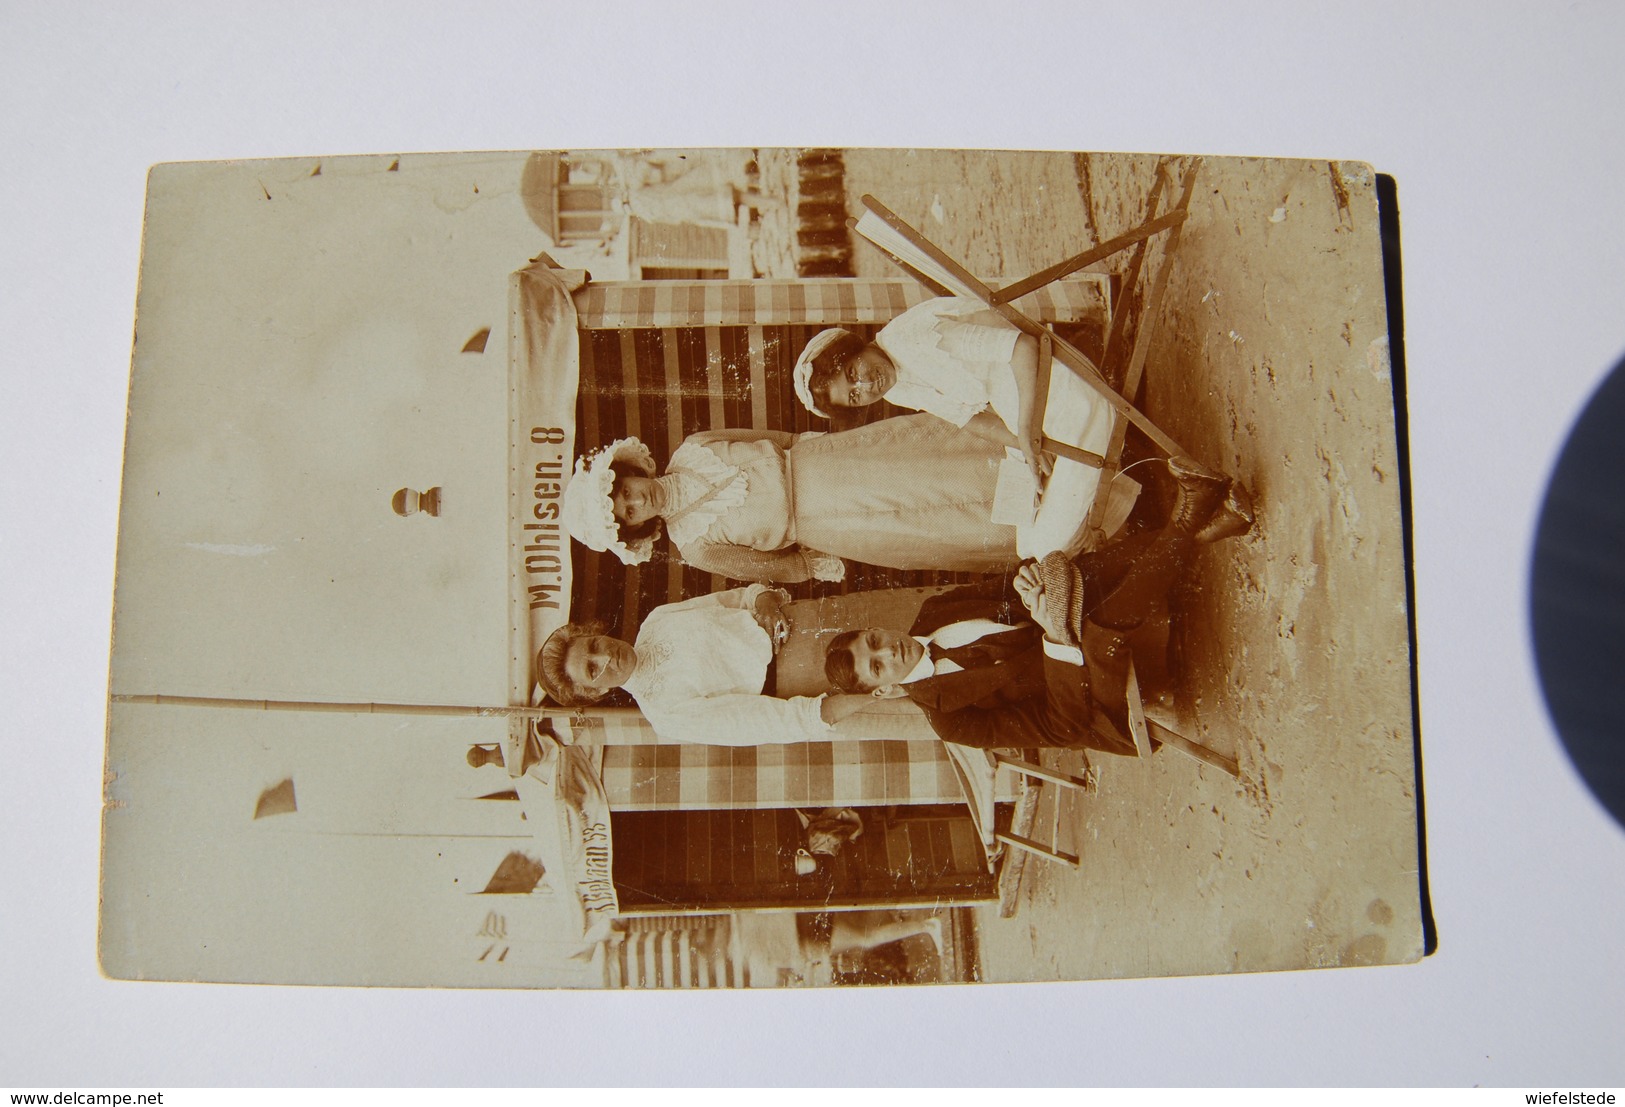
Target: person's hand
[778,630]
[1030,587]
[826,566]
[768,601]
[1038,460]
[770,616]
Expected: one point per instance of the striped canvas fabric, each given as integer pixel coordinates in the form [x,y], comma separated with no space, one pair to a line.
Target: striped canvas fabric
[627,305]
[674,951]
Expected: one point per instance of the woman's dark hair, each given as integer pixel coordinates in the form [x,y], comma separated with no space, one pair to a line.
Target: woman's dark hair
[552,674]
[830,361]
[631,532]
[839,668]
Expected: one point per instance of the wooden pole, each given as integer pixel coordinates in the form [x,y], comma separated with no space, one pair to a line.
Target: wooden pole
[1099,253]
[1192,749]
[1131,280]
[466,711]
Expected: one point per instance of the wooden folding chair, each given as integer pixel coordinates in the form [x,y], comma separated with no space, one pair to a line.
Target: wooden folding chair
[978,770]
[1144,730]
[1114,682]
[1031,774]
[922,259]
[927,263]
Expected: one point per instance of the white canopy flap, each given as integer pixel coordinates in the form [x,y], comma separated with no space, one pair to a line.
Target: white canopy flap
[544,373]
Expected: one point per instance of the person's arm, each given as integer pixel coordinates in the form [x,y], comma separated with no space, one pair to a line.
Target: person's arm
[767,608]
[742,599]
[987,425]
[1048,612]
[824,566]
[841,705]
[732,597]
[782,439]
[966,330]
[747,720]
[764,604]
[1029,427]
[788,565]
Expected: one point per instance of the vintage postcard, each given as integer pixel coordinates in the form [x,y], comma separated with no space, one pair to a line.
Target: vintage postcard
[761,567]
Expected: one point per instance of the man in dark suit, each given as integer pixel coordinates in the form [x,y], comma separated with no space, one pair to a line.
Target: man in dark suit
[1010,662]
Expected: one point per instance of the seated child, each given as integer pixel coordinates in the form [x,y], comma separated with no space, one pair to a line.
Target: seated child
[959,360]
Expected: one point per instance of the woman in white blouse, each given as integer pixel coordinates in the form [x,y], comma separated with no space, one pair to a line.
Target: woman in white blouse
[960,361]
[697,671]
[907,493]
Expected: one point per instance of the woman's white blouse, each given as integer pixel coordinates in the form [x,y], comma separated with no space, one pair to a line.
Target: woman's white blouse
[701,664]
[702,489]
[952,357]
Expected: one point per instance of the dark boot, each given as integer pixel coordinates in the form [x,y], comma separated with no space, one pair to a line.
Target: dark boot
[1234,516]
[1201,491]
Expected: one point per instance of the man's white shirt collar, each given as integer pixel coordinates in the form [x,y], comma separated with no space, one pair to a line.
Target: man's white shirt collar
[924,668]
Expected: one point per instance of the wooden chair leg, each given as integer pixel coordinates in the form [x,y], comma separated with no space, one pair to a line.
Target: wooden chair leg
[1192,749]
[1034,773]
[1041,849]
[1136,715]
[1149,309]
[1027,768]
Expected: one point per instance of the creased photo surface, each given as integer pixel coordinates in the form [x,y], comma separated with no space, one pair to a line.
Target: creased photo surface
[760,568]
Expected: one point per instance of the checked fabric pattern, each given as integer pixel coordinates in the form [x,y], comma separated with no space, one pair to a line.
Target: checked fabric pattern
[806,774]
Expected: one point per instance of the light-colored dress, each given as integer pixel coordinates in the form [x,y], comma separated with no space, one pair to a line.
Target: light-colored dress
[701,667]
[953,359]
[906,493]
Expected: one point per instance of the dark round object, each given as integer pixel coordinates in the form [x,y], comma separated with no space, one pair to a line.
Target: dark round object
[1577,594]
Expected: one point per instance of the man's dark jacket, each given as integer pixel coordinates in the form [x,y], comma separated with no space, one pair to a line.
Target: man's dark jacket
[1020,697]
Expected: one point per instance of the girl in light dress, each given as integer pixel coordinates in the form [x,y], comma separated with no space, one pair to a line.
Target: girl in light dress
[907,493]
[959,360]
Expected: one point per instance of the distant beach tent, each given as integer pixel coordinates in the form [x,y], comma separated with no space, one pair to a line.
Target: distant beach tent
[572,199]
[407,502]
[276,800]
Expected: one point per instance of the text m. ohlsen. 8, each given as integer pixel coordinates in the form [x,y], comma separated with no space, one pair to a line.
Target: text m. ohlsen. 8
[545,545]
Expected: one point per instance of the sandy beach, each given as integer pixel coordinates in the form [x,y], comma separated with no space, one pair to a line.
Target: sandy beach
[1269,361]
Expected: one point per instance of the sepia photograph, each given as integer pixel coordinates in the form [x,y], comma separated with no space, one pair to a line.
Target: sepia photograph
[762,567]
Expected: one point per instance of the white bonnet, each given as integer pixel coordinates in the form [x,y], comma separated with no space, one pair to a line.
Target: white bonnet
[804,367]
[588,514]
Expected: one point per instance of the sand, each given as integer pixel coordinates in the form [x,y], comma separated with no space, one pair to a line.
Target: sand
[1269,361]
